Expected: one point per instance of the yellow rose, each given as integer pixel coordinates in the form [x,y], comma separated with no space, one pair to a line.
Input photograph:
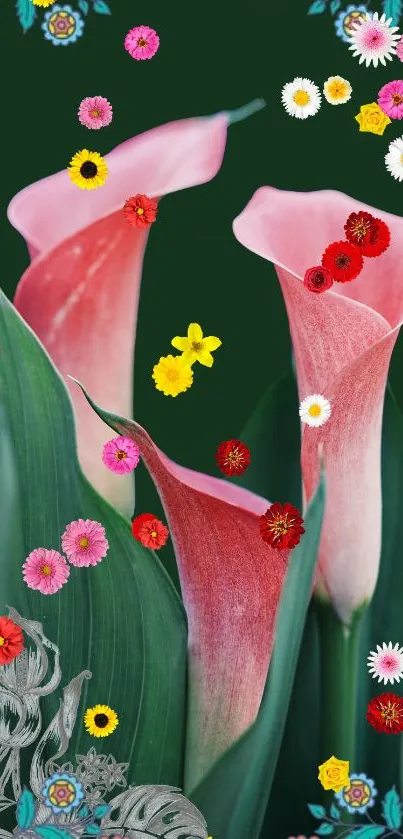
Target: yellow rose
[372,118]
[333,774]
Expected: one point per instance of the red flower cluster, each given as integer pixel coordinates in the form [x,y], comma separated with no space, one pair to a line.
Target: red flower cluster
[150,531]
[385,713]
[11,640]
[343,261]
[140,211]
[233,457]
[281,526]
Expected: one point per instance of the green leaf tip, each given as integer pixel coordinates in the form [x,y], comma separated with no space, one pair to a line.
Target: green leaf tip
[245,111]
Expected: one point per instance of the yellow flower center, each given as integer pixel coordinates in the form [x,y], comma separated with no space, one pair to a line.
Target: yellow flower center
[337,90]
[140,211]
[153,533]
[397,99]
[314,410]
[401,159]
[83,542]
[2,641]
[301,97]
[95,113]
[46,570]
[197,346]
[120,455]
[172,375]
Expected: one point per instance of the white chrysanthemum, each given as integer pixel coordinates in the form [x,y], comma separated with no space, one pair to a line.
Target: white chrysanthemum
[394,159]
[301,98]
[315,410]
[387,663]
[374,39]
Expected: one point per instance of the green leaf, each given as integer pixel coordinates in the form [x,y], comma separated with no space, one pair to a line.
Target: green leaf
[25,809]
[324,829]
[316,810]
[368,832]
[334,812]
[101,7]
[245,772]
[50,831]
[26,13]
[392,809]
[317,7]
[335,6]
[393,9]
[101,810]
[274,438]
[122,619]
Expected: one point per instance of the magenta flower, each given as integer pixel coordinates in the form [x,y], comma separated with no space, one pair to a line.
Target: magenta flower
[121,455]
[45,571]
[84,543]
[399,49]
[390,99]
[142,42]
[95,112]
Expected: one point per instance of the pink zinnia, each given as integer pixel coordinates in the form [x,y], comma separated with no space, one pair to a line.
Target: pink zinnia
[95,112]
[390,99]
[84,543]
[142,42]
[45,571]
[121,455]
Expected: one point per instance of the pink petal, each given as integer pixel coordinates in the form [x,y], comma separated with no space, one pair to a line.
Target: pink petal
[80,294]
[343,340]
[231,583]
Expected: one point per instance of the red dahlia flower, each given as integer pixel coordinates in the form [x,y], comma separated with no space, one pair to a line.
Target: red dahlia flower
[281,526]
[343,260]
[371,235]
[140,211]
[233,457]
[385,713]
[318,279]
[11,640]
[150,531]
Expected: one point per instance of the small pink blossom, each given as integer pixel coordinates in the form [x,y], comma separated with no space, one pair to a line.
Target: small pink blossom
[121,455]
[301,836]
[142,42]
[84,543]
[399,49]
[390,99]
[45,570]
[95,112]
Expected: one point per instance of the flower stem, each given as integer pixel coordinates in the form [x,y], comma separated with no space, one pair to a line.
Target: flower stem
[246,111]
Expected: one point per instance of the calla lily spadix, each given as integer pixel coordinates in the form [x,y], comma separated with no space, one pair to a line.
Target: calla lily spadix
[343,341]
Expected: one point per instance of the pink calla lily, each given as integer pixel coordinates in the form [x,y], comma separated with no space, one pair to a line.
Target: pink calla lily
[80,294]
[343,341]
[231,582]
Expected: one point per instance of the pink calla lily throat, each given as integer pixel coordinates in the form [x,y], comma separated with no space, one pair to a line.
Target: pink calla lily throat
[231,582]
[80,294]
[343,340]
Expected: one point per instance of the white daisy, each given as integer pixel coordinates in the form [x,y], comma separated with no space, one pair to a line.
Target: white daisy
[394,159]
[387,663]
[315,410]
[374,39]
[301,98]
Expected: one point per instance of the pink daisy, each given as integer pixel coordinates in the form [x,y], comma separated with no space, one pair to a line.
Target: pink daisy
[121,455]
[390,99]
[84,543]
[386,664]
[142,42]
[374,39]
[95,112]
[45,571]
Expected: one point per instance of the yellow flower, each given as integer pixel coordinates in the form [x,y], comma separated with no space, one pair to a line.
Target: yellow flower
[337,90]
[88,169]
[100,721]
[172,375]
[195,347]
[43,3]
[333,774]
[372,118]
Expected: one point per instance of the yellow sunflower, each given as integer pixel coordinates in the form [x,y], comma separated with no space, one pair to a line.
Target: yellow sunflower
[100,721]
[43,3]
[88,169]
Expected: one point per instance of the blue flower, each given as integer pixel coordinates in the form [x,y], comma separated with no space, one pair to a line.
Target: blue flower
[346,19]
[62,25]
[358,795]
[62,792]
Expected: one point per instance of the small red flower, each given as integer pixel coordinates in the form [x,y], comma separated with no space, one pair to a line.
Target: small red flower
[385,713]
[11,640]
[281,526]
[232,457]
[150,531]
[370,234]
[318,279]
[140,211]
[343,260]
